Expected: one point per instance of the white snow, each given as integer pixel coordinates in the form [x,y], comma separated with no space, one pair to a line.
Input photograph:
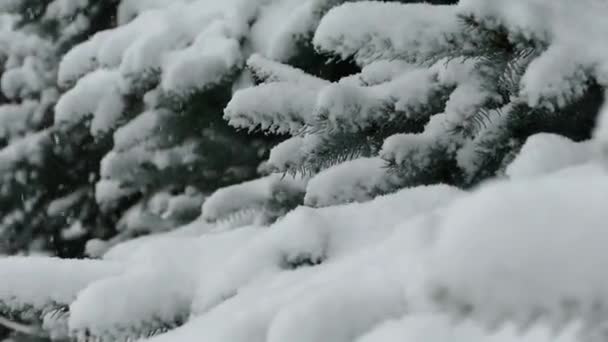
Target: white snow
[440,328]
[558,75]
[554,79]
[270,71]
[412,32]
[517,249]
[287,109]
[248,195]
[97,95]
[357,180]
[39,283]
[410,148]
[521,258]
[291,154]
[126,307]
[546,153]
[353,108]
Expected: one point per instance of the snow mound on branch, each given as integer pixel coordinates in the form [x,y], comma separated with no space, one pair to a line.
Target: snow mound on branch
[400,256]
[413,32]
[191,44]
[310,236]
[316,263]
[40,283]
[126,308]
[291,154]
[515,250]
[290,110]
[546,153]
[325,263]
[98,95]
[248,195]
[270,71]
[560,73]
[357,180]
[170,285]
[302,320]
[349,108]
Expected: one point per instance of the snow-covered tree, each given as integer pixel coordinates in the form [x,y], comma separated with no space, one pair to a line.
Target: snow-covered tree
[446,94]
[38,166]
[372,222]
[155,87]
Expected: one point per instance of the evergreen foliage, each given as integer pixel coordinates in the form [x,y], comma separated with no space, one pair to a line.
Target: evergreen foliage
[33,149]
[303,170]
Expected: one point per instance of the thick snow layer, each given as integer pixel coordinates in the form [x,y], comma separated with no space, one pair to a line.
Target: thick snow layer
[127,308]
[564,21]
[121,250]
[170,285]
[270,71]
[383,71]
[413,32]
[470,92]
[295,101]
[411,148]
[261,294]
[428,263]
[555,78]
[287,109]
[440,328]
[546,153]
[292,153]
[357,180]
[97,95]
[27,64]
[559,74]
[309,236]
[39,283]
[514,250]
[349,108]
[283,24]
[248,195]
[214,55]
[192,44]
